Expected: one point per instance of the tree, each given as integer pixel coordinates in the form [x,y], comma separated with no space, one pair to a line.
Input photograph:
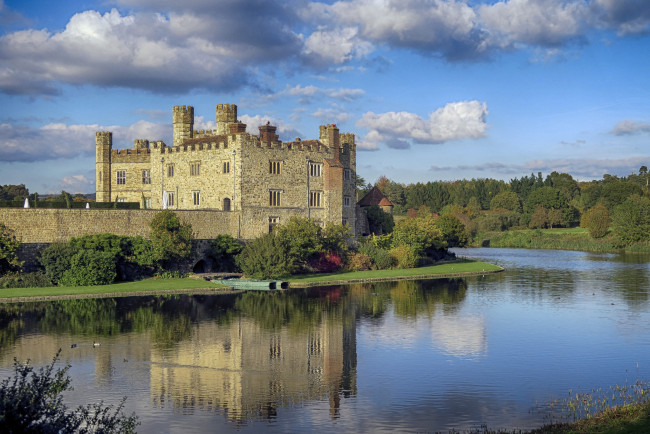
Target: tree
[596,220]
[539,218]
[453,230]
[171,239]
[31,402]
[265,257]
[506,200]
[8,250]
[12,192]
[631,220]
[88,268]
[379,221]
[420,233]
[224,249]
[615,193]
[56,260]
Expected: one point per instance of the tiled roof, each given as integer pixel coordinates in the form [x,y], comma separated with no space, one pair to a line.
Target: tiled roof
[374,197]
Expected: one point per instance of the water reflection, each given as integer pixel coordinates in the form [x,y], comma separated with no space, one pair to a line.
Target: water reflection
[407,356]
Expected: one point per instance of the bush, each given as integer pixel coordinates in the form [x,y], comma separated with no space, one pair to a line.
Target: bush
[25,280]
[596,221]
[56,260]
[359,262]
[420,233]
[265,257]
[89,267]
[379,221]
[8,250]
[453,230]
[381,259]
[31,401]
[631,221]
[224,249]
[327,262]
[404,256]
[171,239]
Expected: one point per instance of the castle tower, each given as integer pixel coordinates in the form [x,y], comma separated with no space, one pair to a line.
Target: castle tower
[183,120]
[226,115]
[103,146]
[329,135]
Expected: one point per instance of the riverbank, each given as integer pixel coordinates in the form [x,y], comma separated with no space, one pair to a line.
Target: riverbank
[557,239]
[460,268]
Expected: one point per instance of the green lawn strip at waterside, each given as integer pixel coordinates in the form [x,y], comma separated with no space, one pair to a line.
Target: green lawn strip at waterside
[141,287]
[455,269]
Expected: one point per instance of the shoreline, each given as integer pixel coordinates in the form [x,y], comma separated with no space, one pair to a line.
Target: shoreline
[230,290]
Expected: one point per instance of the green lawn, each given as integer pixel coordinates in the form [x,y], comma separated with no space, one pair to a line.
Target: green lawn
[463,266]
[126,287]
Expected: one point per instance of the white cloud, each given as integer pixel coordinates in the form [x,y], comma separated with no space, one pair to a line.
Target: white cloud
[59,140]
[630,127]
[77,183]
[324,47]
[458,120]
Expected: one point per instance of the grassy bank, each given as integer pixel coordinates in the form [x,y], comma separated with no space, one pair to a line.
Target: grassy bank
[452,269]
[625,419]
[561,239]
[141,287]
[178,285]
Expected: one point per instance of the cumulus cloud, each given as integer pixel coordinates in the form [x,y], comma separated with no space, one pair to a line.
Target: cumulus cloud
[78,183]
[145,50]
[457,120]
[627,127]
[625,16]
[306,93]
[59,140]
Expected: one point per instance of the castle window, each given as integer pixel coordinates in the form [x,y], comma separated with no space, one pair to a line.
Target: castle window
[346,201]
[147,203]
[146,176]
[101,177]
[226,204]
[345,222]
[315,198]
[170,170]
[275,167]
[274,197]
[196,198]
[315,169]
[347,174]
[226,167]
[121,177]
[195,168]
[273,222]
[170,198]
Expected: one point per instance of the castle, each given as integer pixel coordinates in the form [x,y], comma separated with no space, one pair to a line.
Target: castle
[258,180]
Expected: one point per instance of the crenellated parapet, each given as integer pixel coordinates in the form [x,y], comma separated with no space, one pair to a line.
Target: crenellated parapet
[226,115]
[183,120]
[104,138]
[347,138]
[141,144]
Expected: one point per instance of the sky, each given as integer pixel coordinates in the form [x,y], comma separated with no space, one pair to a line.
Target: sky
[435,90]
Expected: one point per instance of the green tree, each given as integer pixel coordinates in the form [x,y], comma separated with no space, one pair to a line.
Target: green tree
[616,192]
[379,221]
[453,230]
[56,260]
[89,267]
[31,402]
[171,238]
[8,250]
[550,198]
[12,192]
[224,249]
[266,257]
[631,220]
[303,239]
[420,233]
[539,218]
[506,200]
[596,220]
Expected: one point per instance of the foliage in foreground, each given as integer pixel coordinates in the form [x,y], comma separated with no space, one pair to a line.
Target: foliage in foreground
[8,250]
[31,402]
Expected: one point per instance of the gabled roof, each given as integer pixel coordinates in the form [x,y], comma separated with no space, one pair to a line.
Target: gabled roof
[374,197]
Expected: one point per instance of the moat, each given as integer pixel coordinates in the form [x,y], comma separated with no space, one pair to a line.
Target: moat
[407,356]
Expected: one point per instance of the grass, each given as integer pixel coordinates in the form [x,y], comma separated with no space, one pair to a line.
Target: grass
[454,268]
[559,238]
[141,286]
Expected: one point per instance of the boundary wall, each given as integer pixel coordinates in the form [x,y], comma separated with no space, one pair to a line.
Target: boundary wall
[40,225]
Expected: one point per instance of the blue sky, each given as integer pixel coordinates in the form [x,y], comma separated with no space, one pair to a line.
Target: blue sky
[433,89]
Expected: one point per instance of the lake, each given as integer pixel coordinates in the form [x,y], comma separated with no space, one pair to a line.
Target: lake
[407,356]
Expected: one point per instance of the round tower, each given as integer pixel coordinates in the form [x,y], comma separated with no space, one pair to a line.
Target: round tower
[183,120]
[226,115]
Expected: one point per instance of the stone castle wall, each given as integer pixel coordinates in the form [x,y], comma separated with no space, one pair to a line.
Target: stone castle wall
[36,225]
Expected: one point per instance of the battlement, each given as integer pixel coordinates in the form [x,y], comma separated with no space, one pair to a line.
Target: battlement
[183,114]
[104,138]
[141,144]
[226,113]
[347,138]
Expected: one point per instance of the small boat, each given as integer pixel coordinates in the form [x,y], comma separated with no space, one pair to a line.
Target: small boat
[253,284]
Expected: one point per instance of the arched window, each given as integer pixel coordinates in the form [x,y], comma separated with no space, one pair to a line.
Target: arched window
[226,204]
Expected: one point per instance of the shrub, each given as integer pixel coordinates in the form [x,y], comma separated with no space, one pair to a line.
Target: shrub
[359,262]
[327,262]
[631,220]
[31,401]
[171,239]
[224,249]
[8,250]
[302,239]
[404,256]
[56,260]
[89,267]
[379,221]
[453,230]
[421,233]
[380,258]
[25,280]
[596,221]
[265,257]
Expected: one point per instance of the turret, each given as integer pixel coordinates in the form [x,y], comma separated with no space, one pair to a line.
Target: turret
[103,146]
[329,135]
[183,120]
[226,115]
